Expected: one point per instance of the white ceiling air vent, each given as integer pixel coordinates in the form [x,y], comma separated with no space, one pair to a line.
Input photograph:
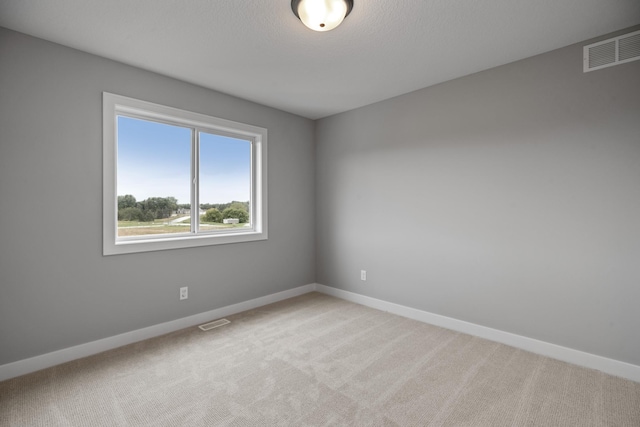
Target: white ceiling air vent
[610,52]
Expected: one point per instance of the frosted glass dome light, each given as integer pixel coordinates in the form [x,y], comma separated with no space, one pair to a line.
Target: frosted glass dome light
[321,15]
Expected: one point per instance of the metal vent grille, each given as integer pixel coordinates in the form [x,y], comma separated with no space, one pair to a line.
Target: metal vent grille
[614,51]
[629,47]
[603,54]
[214,324]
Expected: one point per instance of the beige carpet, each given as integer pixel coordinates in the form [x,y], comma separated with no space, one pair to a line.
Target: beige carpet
[317,360]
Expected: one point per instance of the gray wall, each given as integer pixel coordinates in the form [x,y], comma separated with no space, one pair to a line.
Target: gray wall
[509,198]
[56,288]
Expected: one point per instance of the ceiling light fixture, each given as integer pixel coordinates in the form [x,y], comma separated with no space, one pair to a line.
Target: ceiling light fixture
[321,15]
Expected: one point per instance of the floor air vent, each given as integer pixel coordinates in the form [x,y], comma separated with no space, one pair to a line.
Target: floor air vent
[214,324]
[610,52]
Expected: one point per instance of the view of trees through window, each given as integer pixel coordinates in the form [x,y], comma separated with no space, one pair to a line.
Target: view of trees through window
[154,179]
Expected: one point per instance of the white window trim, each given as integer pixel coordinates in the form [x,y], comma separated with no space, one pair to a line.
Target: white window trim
[112,105]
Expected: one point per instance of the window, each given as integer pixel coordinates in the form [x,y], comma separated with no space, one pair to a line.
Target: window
[175,179]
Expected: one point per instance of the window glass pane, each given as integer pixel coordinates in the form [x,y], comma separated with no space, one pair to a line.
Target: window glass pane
[225,182]
[153,181]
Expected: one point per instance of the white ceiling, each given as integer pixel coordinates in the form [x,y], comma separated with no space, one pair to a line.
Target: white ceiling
[258,50]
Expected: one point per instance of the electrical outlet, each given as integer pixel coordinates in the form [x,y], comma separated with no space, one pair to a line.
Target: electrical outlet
[184,293]
[363,274]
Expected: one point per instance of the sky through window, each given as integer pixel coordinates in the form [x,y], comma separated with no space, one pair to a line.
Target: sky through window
[154,161]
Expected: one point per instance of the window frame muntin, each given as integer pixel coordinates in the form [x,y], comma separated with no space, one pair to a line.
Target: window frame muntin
[115,105]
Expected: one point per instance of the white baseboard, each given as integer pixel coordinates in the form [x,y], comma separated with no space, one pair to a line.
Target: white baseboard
[21,367]
[576,357]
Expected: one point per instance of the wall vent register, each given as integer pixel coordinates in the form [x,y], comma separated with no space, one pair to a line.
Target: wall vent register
[610,52]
